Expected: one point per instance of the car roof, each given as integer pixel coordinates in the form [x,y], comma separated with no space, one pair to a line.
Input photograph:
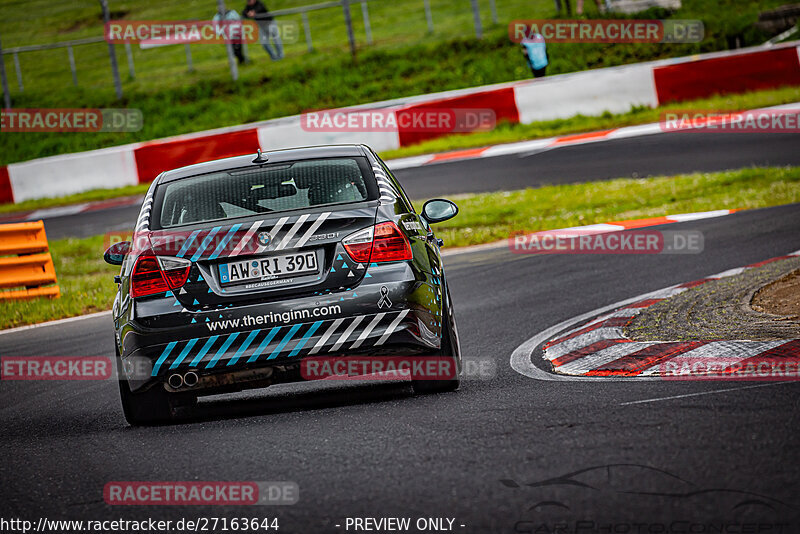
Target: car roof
[273,156]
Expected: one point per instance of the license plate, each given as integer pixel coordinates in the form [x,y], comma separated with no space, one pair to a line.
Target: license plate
[268,268]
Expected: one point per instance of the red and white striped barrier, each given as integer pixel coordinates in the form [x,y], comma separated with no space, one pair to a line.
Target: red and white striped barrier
[592,92]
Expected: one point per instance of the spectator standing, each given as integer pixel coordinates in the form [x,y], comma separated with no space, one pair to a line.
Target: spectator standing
[231,17]
[269,35]
[568,6]
[535,50]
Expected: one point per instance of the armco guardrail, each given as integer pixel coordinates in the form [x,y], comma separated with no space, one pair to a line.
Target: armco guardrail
[26,262]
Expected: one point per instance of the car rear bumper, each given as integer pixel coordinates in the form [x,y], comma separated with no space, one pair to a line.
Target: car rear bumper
[405,323]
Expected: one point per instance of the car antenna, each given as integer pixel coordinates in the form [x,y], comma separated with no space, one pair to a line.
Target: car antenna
[260,158]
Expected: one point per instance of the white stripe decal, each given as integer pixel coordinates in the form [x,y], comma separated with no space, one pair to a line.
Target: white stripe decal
[239,247]
[293,230]
[347,333]
[368,330]
[392,327]
[273,233]
[324,339]
[310,232]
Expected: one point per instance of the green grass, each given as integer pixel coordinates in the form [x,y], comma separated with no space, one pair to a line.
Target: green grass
[86,283]
[504,133]
[404,61]
[87,286]
[77,198]
[491,217]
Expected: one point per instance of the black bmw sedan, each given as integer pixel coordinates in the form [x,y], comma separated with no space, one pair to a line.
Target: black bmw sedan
[281,266]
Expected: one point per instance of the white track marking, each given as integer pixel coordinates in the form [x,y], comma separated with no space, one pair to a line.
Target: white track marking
[734,352]
[699,393]
[521,357]
[684,217]
[56,322]
[583,340]
[730,272]
[602,357]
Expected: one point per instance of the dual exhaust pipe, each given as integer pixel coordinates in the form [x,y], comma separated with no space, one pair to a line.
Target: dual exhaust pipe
[188,379]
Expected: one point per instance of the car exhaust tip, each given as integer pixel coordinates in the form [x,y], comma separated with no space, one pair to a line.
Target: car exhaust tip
[175,381]
[190,379]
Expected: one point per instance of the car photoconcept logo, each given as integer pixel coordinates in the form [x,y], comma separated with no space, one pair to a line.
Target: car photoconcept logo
[264,239]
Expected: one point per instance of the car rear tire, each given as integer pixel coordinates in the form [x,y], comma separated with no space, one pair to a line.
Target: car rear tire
[451,348]
[149,407]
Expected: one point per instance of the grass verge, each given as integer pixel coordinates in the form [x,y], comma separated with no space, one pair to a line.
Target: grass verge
[504,133]
[489,217]
[87,286]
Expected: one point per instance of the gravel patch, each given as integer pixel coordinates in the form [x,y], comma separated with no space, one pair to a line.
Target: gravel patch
[721,309]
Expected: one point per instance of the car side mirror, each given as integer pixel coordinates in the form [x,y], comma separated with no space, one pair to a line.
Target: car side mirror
[439,210]
[116,253]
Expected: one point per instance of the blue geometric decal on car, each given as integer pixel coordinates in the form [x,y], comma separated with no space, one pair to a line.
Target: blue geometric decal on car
[199,358]
[304,339]
[183,353]
[225,346]
[244,346]
[164,356]
[288,337]
[264,344]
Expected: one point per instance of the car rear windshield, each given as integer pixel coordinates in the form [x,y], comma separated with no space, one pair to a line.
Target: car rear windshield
[271,188]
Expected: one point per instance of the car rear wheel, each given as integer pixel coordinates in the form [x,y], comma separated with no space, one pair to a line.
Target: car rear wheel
[451,348]
[150,407]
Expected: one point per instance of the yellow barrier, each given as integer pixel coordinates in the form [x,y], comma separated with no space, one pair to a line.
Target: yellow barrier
[28,263]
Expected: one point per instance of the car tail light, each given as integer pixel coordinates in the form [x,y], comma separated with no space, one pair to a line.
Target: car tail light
[359,245]
[390,244]
[384,242]
[156,274]
[176,270]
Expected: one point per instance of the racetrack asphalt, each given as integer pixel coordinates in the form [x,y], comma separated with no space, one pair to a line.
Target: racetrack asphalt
[508,454]
[638,157]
